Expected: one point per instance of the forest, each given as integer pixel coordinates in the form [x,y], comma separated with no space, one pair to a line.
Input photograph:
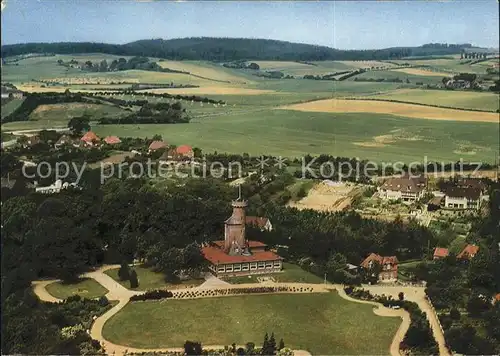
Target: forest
[230,49]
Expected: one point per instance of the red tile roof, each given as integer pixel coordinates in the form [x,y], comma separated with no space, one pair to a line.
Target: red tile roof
[183,149]
[90,137]
[256,221]
[468,252]
[156,145]
[380,259]
[497,298]
[217,256]
[251,243]
[110,140]
[441,252]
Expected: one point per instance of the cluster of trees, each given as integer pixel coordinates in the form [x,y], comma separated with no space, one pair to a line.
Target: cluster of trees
[33,100]
[159,113]
[120,64]
[30,327]
[326,76]
[379,80]
[242,65]
[193,98]
[230,49]
[125,273]
[352,74]
[473,55]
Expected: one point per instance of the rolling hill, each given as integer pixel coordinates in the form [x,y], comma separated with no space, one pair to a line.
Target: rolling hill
[231,49]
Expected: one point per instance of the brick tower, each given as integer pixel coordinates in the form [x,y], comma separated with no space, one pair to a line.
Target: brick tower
[235,242]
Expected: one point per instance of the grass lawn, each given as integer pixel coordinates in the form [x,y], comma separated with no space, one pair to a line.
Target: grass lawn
[151,280]
[291,273]
[85,287]
[322,323]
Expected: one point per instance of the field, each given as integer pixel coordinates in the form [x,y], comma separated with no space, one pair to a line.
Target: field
[458,99]
[308,120]
[399,109]
[151,280]
[85,288]
[292,133]
[338,326]
[328,196]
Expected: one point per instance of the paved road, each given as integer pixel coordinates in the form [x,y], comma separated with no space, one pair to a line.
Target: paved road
[122,295]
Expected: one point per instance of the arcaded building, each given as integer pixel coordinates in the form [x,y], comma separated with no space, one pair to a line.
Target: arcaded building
[237,256]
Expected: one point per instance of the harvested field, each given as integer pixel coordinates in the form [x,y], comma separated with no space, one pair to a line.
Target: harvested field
[328,196]
[418,71]
[217,90]
[399,109]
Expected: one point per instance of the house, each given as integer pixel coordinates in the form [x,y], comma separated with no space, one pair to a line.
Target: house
[264,224]
[156,145]
[112,140]
[8,92]
[468,252]
[66,140]
[237,256]
[463,198]
[90,138]
[406,188]
[56,187]
[440,252]
[388,264]
[435,203]
[180,153]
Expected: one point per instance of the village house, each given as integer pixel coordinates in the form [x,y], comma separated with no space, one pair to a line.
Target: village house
[56,187]
[156,145]
[237,256]
[112,140]
[388,264]
[465,193]
[405,188]
[440,252]
[264,224]
[468,252]
[182,152]
[90,139]
[66,140]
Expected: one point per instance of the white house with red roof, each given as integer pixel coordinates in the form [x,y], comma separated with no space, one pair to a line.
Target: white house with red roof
[440,252]
[156,145]
[180,153]
[389,266]
[112,140]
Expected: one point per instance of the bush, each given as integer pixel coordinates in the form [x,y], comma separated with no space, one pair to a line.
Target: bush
[103,301]
[134,281]
[124,272]
[455,314]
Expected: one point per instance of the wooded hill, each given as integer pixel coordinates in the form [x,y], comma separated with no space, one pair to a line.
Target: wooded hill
[230,49]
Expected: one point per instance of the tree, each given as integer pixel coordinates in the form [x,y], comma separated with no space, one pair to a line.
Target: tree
[134,281]
[265,344]
[281,345]
[124,272]
[79,124]
[401,296]
[454,314]
[157,137]
[192,348]
[103,66]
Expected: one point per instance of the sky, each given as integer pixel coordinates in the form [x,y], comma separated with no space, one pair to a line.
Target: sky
[343,25]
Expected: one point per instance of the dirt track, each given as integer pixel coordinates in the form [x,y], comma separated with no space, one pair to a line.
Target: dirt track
[325,197]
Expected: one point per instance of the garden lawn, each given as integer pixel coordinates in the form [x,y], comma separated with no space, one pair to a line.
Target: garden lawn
[322,323]
[85,288]
[149,279]
[291,273]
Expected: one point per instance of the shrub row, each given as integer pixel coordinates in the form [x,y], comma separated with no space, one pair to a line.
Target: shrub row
[413,103]
[152,295]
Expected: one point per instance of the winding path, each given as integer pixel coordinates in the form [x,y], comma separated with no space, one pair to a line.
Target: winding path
[121,294]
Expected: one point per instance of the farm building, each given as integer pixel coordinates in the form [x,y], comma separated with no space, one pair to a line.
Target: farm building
[388,264]
[112,140]
[406,188]
[66,140]
[90,138]
[180,153]
[440,252]
[156,145]
[237,256]
[468,252]
[463,198]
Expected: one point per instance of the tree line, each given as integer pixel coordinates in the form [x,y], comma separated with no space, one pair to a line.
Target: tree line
[229,49]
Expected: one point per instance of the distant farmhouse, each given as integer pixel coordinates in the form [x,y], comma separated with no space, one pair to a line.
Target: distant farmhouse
[8,92]
[407,188]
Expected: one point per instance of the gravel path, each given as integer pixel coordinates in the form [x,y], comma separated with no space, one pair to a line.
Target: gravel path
[122,295]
